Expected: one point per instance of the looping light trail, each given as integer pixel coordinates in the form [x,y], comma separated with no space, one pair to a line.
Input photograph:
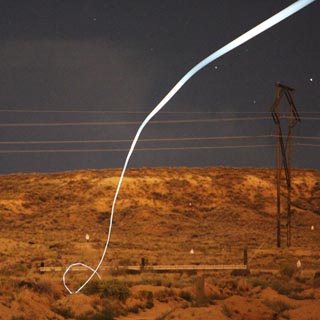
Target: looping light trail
[285,13]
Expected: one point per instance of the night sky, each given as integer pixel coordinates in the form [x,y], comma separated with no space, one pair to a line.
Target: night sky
[111,62]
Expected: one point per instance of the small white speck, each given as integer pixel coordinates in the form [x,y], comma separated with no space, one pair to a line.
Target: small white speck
[94,19]
[254,101]
[216,67]
[298,264]
[311,79]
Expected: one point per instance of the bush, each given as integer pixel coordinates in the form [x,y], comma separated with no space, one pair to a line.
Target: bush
[301,279]
[17,269]
[281,288]
[278,306]
[145,294]
[226,311]
[46,286]
[92,287]
[154,282]
[255,282]
[149,304]
[287,270]
[64,312]
[134,309]
[214,296]
[108,313]
[116,289]
[164,315]
[163,295]
[316,280]
[297,296]
[186,296]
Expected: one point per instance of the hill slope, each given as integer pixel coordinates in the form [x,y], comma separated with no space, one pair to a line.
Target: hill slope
[161,214]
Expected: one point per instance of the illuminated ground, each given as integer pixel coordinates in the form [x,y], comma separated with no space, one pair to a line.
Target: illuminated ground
[161,215]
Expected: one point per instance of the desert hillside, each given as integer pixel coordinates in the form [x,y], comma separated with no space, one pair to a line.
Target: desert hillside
[161,214]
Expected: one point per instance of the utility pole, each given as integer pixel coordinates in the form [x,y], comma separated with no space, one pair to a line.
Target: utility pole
[284,152]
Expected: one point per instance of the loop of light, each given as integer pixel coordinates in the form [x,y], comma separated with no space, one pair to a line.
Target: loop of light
[285,13]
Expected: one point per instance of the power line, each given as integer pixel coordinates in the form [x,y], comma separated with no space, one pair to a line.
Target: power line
[306,137]
[138,149]
[310,118]
[71,111]
[114,123]
[307,145]
[138,111]
[300,137]
[129,140]
[26,142]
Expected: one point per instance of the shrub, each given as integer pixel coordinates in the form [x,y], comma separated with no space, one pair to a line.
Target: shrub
[92,287]
[244,284]
[154,282]
[287,270]
[164,315]
[316,280]
[214,296]
[281,288]
[116,289]
[64,312]
[255,282]
[231,284]
[17,269]
[301,280]
[45,286]
[149,304]
[226,311]
[108,313]
[83,317]
[163,295]
[186,296]
[144,294]
[277,306]
[297,296]
[134,309]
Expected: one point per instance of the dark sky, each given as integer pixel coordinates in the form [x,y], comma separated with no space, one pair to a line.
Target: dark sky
[124,56]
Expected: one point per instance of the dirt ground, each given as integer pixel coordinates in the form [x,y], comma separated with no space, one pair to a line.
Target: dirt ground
[161,216]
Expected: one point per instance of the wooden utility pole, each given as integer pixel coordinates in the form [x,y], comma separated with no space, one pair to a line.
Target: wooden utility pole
[284,152]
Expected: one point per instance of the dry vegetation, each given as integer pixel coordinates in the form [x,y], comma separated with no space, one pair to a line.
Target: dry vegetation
[161,215]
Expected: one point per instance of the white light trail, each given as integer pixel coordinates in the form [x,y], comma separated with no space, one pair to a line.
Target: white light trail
[285,13]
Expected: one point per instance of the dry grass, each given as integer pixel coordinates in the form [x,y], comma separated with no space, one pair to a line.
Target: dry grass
[161,215]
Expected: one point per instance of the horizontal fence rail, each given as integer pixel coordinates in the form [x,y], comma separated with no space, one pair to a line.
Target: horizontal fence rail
[157,268]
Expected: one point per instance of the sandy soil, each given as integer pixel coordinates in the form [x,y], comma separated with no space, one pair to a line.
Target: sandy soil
[161,215]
